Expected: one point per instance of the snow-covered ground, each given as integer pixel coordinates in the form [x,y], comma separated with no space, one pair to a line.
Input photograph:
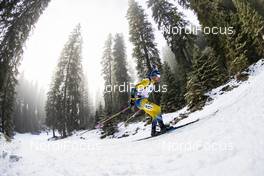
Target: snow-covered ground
[227,140]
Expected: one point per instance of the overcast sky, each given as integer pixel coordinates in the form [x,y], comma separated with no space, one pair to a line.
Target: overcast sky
[98,18]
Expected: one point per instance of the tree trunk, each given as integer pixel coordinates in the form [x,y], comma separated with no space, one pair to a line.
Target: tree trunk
[111,93]
[53,132]
[64,131]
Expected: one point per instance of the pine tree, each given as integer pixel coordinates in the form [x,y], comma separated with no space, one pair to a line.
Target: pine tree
[258,5]
[54,104]
[253,24]
[120,72]
[66,88]
[237,47]
[109,127]
[215,14]
[232,52]
[171,99]
[99,114]
[107,71]
[245,45]
[72,81]
[7,105]
[207,74]
[184,3]
[109,68]
[17,19]
[181,43]
[142,37]
[86,120]
[166,15]
[51,109]
[115,75]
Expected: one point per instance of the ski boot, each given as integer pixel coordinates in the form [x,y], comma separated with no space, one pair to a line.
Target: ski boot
[163,128]
[153,131]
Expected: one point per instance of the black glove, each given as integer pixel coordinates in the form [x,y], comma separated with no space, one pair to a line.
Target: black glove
[131,102]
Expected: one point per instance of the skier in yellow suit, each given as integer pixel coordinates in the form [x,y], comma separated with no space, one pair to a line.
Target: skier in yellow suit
[139,98]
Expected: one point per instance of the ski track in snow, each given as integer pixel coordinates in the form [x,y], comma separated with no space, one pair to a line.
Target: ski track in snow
[228,140]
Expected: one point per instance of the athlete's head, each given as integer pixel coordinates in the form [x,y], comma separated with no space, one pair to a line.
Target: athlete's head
[154,75]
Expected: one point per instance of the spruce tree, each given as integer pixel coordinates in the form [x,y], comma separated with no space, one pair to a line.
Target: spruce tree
[233,52]
[245,46]
[54,105]
[207,74]
[184,3]
[99,114]
[145,49]
[107,71]
[253,24]
[168,18]
[142,37]
[258,5]
[86,120]
[7,105]
[215,14]
[120,72]
[72,81]
[171,99]
[174,29]
[108,74]
[17,20]
[67,85]
[238,50]
[51,111]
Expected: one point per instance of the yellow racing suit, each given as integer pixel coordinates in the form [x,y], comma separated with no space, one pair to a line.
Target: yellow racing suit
[143,89]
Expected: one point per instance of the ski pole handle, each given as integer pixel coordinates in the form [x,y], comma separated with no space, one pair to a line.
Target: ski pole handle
[98,126]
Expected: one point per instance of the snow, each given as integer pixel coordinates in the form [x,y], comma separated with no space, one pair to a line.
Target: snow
[227,140]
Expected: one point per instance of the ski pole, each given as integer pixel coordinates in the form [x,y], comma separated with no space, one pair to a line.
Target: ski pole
[100,123]
[134,115]
[115,115]
[130,118]
[105,119]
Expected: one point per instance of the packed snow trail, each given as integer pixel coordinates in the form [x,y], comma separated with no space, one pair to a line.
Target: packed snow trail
[228,140]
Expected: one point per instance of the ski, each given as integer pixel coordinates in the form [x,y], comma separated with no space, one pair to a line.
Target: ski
[170,129]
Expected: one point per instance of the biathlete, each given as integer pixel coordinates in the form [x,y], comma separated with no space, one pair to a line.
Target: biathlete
[139,98]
